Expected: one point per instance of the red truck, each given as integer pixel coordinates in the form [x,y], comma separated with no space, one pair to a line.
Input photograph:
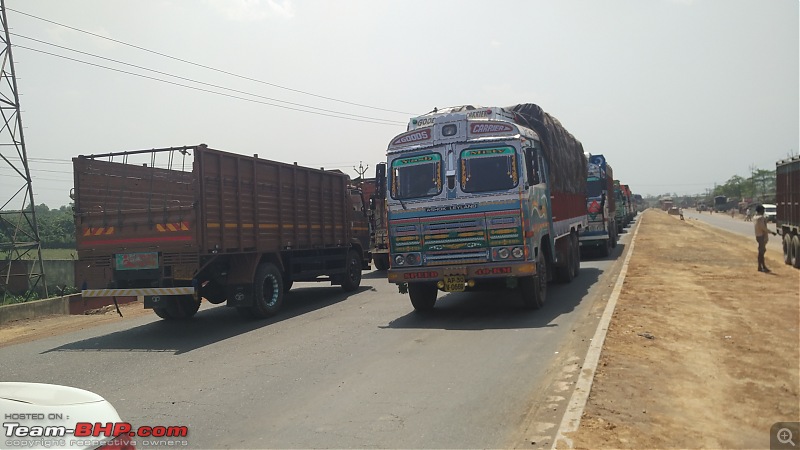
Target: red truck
[194,222]
[787,193]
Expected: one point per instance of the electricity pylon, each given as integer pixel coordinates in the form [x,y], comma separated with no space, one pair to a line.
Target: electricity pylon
[21,267]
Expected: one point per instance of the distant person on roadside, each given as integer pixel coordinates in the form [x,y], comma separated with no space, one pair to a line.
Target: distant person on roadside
[762,236]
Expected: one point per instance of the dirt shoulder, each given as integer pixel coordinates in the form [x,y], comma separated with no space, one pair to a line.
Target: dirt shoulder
[703,350]
[27,330]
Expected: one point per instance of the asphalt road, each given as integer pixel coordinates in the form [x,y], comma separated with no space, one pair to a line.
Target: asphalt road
[339,371]
[736,225]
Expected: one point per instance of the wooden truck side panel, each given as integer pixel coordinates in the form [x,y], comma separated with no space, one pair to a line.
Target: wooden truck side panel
[256,205]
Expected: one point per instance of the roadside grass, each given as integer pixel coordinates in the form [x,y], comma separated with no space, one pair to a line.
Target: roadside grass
[54,254]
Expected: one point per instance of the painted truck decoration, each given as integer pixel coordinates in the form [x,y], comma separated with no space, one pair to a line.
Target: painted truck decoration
[215,225]
[484,197]
[601,232]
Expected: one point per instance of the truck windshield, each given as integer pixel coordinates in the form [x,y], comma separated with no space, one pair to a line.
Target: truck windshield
[417,176]
[488,169]
[594,187]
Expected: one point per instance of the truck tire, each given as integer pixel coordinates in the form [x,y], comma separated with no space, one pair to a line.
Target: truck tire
[796,251]
[787,249]
[422,295]
[213,292]
[577,245]
[267,291]
[533,290]
[566,273]
[381,261]
[181,308]
[162,313]
[352,277]
[605,249]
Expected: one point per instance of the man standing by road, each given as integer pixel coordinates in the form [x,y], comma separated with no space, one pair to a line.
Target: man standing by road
[762,236]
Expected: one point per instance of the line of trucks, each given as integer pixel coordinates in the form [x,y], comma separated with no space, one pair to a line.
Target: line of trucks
[468,198]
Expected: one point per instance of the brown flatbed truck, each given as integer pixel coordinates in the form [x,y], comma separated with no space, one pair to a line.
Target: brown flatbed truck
[193,222]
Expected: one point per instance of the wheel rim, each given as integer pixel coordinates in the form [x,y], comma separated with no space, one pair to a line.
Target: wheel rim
[271,286]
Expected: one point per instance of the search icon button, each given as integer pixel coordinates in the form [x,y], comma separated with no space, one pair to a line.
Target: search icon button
[785,436]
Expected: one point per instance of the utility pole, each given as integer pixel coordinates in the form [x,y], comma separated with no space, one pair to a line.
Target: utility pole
[21,267]
[361,170]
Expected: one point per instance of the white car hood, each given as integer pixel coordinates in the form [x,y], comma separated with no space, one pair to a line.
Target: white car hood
[37,404]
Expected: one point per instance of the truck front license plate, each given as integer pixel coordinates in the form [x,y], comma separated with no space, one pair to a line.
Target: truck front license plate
[454,283]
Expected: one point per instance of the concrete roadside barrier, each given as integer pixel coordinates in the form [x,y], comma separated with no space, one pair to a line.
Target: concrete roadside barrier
[36,308]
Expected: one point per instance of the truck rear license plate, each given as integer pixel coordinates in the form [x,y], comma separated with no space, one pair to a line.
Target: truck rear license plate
[454,283]
[136,261]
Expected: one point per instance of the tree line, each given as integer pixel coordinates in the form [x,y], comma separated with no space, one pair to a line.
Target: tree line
[760,187]
[56,227]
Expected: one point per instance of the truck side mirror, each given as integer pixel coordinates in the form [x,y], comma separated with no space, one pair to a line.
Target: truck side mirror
[380,180]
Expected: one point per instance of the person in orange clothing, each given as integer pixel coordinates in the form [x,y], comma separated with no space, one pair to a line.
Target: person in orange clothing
[762,237]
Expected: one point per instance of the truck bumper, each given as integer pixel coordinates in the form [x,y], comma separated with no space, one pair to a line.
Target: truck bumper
[593,240]
[137,292]
[469,272]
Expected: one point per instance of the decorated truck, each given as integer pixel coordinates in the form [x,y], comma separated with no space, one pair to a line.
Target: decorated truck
[787,195]
[622,207]
[193,222]
[630,207]
[601,232]
[484,198]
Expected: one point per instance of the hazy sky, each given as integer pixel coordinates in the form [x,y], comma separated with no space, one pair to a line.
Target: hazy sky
[678,94]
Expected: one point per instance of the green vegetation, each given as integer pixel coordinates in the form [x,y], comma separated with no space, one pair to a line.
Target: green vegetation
[56,227]
[56,230]
[54,254]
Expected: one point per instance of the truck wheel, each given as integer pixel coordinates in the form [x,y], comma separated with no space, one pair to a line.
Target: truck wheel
[566,273]
[787,249]
[179,308]
[423,295]
[352,278]
[577,260]
[162,312]
[185,307]
[381,261]
[267,291]
[213,292]
[533,290]
[796,251]
[605,249]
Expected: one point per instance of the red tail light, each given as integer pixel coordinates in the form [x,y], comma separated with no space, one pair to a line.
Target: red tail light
[121,442]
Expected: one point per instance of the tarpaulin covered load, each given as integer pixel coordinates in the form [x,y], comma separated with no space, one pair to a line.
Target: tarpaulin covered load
[564,152]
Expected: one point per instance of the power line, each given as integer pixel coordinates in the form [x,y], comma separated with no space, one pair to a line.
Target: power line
[375,121]
[208,67]
[201,82]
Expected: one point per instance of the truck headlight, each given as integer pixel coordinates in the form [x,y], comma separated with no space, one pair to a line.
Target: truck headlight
[503,253]
[399,260]
[517,253]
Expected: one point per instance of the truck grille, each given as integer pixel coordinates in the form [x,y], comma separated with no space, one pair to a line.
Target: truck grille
[457,240]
